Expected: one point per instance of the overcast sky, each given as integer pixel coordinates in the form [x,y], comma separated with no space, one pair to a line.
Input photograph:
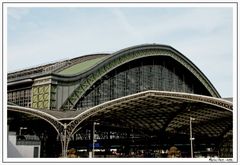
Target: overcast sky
[42,35]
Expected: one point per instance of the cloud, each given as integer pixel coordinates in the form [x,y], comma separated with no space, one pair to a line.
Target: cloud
[203,35]
[198,21]
[124,23]
[17,13]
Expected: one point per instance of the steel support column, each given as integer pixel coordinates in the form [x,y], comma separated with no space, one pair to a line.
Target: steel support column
[64,141]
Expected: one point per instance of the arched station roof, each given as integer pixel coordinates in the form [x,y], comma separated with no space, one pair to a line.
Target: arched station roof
[98,70]
[31,73]
[86,70]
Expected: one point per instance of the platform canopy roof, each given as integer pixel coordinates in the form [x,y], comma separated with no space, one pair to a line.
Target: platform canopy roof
[152,111]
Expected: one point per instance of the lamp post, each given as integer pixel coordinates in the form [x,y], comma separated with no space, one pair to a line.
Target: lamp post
[94,124]
[191,137]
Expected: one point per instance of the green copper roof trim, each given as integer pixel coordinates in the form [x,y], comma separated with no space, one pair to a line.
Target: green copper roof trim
[132,53]
[81,67]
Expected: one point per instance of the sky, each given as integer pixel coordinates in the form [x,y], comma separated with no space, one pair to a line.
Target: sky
[39,35]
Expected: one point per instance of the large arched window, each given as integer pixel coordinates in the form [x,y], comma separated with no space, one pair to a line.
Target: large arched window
[160,73]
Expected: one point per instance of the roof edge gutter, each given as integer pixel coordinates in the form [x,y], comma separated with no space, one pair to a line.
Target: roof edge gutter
[19,82]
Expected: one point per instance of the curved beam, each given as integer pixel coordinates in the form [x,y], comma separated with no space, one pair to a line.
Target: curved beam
[40,114]
[226,105]
[126,55]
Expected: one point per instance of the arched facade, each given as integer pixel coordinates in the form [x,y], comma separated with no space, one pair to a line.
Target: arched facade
[151,88]
[164,57]
[149,73]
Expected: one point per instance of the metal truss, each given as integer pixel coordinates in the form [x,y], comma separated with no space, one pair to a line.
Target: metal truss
[131,54]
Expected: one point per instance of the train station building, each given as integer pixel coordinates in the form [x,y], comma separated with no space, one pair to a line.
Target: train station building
[143,101]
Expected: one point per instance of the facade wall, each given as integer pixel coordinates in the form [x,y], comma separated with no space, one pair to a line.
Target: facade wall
[20,97]
[20,151]
[62,93]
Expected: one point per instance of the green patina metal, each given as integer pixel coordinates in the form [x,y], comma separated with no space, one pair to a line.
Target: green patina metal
[126,57]
[81,67]
[40,96]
